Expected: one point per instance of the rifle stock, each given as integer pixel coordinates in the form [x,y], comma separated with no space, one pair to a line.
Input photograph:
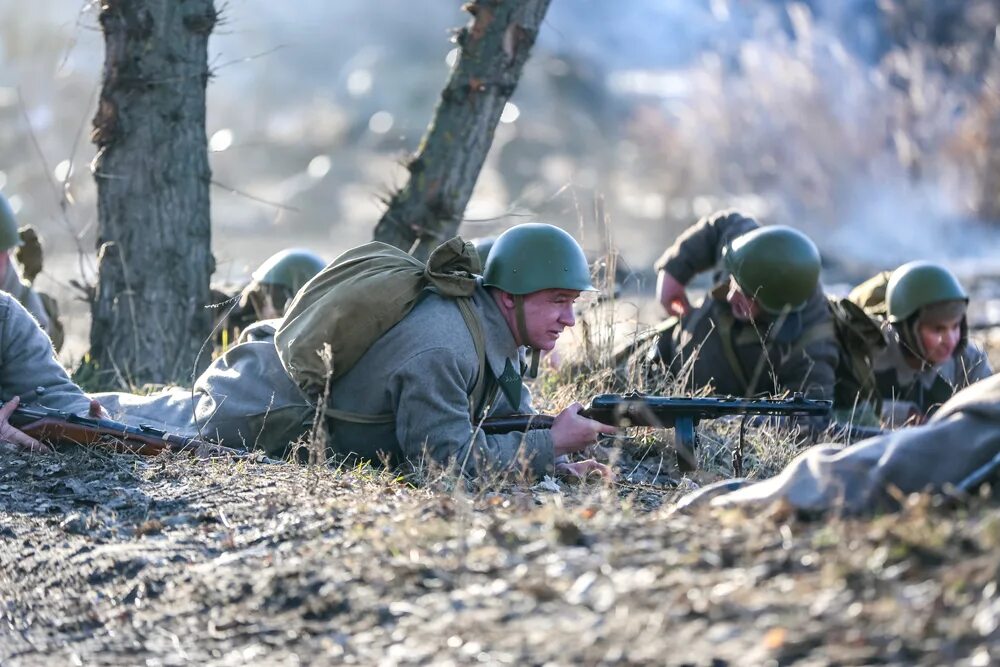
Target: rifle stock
[56,427]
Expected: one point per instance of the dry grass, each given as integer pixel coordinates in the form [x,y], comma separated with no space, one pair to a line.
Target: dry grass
[108,559]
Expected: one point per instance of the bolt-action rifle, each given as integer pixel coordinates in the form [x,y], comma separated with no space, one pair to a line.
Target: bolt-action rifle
[56,427]
[680,413]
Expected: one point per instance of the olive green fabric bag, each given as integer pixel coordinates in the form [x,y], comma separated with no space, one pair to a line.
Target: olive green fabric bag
[870,295]
[360,296]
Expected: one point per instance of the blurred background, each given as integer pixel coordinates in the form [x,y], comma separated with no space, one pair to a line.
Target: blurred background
[874,126]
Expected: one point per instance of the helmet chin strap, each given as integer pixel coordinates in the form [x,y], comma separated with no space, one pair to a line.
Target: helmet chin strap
[522,331]
[910,338]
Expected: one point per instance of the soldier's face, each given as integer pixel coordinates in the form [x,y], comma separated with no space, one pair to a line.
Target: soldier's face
[939,338]
[745,308]
[546,314]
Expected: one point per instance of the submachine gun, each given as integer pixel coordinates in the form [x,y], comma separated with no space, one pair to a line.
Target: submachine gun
[679,413]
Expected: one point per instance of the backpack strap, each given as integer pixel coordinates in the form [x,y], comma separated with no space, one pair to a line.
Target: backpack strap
[477,403]
[359,417]
[725,324]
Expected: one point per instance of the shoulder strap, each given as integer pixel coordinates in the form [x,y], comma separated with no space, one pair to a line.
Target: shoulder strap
[725,325]
[477,404]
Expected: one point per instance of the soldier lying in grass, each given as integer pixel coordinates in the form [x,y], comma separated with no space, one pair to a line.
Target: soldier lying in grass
[416,392]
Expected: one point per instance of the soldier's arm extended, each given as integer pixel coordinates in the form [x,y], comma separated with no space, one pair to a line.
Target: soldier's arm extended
[430,397]
[28,367]
[699,248]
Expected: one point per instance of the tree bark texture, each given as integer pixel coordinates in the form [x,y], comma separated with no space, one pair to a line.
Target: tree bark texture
[149,317]
[442,174]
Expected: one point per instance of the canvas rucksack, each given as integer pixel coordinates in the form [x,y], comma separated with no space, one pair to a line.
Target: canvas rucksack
[357,298]
[860,338]
[870,295]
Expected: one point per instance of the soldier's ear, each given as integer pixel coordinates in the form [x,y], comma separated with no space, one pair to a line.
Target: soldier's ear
[506,300]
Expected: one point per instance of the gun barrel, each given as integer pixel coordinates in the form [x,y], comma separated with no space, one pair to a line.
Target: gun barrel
[665,411]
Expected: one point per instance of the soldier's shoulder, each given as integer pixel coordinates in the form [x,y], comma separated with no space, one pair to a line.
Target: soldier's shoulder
[435,320]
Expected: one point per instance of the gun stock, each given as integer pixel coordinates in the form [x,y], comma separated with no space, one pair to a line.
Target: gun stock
[55,427]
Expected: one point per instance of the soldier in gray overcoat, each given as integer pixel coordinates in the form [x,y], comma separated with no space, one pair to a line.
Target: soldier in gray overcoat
[408,397]
[30,373]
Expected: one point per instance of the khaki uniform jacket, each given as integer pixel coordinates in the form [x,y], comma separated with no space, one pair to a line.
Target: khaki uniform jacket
[28,366]
[423,371]
[710,347]
[12,283]
[905,390]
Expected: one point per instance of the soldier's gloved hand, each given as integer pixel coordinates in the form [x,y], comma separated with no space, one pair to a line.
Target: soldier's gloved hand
[11,436]
[672,295]
[572,432]
[582,470]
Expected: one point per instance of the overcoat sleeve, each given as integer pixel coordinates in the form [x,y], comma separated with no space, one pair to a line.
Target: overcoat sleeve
[28,366]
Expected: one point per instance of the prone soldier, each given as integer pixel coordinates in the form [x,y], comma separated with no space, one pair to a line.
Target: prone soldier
[765,326]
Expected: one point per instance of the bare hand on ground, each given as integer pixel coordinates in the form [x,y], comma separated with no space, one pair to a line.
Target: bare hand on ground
[585,469]
[672,295]
[12,436]
[572,432]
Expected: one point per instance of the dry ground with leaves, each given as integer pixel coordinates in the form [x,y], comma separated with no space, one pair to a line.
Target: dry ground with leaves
[114,559]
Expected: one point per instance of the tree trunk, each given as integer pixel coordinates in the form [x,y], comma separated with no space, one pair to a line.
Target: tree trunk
[154,237]
[494,47]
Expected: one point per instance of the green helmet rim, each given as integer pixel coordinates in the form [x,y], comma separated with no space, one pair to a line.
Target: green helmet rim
[536,256]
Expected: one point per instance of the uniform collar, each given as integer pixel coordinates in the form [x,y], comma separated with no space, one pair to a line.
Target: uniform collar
[503,355]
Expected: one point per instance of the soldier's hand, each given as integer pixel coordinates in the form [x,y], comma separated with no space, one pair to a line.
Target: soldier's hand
[582,470]
[672,295]
[572,432]
[12,436]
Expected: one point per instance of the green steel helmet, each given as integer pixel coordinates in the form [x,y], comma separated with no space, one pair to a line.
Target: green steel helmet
[290,269]
[9,237]
[778,266]
[916,285]
[536,256]
[484,244]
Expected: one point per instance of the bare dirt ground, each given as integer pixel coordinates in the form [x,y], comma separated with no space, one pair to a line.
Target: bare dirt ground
[112,559]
